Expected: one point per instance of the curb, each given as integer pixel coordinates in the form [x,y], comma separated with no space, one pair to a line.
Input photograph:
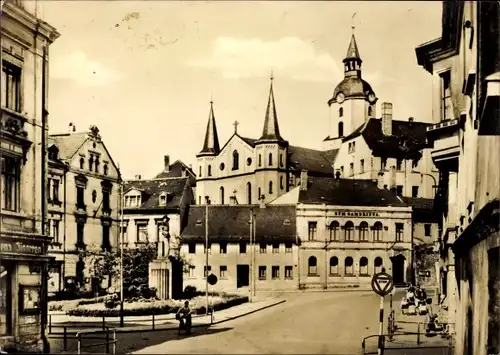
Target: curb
[251,312]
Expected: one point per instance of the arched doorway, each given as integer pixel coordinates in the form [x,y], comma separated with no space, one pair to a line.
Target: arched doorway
[398,269]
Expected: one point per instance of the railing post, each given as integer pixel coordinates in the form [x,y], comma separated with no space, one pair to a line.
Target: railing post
[65,340]
[153,322]
[79,347]
[418,333]
[103,323]
[107,341]
[114,341]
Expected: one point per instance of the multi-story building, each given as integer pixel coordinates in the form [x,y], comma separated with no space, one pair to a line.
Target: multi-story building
[24,55]
[250,247]
[465,65]
[154,211]
[83,199]
[349,230]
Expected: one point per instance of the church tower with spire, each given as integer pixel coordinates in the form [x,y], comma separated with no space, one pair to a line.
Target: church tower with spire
[353,100]
[206,158]
[271,155]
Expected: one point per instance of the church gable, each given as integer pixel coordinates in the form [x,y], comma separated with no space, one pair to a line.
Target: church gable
[236,157]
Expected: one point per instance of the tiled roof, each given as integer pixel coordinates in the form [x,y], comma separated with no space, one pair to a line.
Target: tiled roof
[250,141]
[176,170]
[316,162]
[423,209]
[231,224]
[67,143]
[407,140]
[347,192]
[152,189]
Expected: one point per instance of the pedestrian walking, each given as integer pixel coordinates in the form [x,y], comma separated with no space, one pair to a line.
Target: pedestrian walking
[184,317]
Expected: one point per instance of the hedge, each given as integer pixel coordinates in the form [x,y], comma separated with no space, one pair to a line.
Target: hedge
[159,307]
[72,304]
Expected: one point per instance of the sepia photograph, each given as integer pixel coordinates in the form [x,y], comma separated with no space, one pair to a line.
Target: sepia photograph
[250,177]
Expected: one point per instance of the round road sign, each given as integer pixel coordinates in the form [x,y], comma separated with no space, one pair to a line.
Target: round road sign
[382,283]
[212,279]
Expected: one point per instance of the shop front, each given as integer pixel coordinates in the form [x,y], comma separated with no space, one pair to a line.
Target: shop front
[23,291]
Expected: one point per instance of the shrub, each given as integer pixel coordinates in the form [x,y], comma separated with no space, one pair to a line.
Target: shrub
[189,292]
[72,304]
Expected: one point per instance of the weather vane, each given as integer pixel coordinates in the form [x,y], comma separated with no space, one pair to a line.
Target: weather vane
[352,25]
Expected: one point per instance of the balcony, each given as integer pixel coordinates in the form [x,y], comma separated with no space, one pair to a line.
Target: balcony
[446,143]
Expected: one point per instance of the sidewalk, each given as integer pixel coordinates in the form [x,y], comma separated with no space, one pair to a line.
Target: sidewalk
[161,322]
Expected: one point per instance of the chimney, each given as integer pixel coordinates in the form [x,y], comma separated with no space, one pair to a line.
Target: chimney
[167,163]
[71,127]
[138,177]
[380,180]
[410,119]
[262,203]
[393,177]
[303,180]
[190,166]
[387,118]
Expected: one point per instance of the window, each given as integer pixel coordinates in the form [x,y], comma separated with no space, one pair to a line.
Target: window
[80,234]
[312,264]
[80,202]
[341,129]
[5,298]
[97,164]
[383,163]
[363,231]
[363,266]
[249,193]
[236,160]
[341,112]
[399,190]
[55,230]
[105,169]
[281,161]
[427,230]
[11,86]
[362,166]
[262,272]
[399,232]
[105,201]
[243,248]
[414,191]
[378,264]
[259,195]
[377,231]
[106,245]
[351,169]
[49,182]
[446,103]
[275,272]
[288,272]
[348,266]
[342,171]
[270,187]
[199,200]
[334,265]
[282,186]
[11,182]
[276,248]
[270,159]
[80,271]
[205,268]
[191,271]
[223,272]
[313,226]
[369,111]
[163,200]
[288,247]
[349,231]
[82,163]
[352,147]
[210,170]
[91,162]
[142,233]
[399,164]
[199,172]
[334,231]
[221,195]
[192,248]
[263,248]
[55,190]
[260,159]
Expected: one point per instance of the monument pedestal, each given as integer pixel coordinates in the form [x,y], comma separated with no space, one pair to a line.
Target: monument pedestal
[160,277]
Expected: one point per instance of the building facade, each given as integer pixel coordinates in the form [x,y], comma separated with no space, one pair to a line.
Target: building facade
[24,55]
[465,65]
[83,199]
[251,248]
[349,230]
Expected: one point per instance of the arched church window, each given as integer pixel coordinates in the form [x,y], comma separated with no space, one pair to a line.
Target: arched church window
[221,195]
[281,160]
[270,187]
[369,111]
[249,193]
[341,129]
[236,160]
[260,159]
[282,185]
[270,159]
[341,112]
[210,170]
[199,174]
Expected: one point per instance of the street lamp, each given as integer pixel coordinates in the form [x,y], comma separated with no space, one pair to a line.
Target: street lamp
[434,187]
[121,252]
[207,202]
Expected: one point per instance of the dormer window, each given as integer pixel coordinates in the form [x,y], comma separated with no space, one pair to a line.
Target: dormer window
[105,169]
[82,163]
[163,199]
[133,200]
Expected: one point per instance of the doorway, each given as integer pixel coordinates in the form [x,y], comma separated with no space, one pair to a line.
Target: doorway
[398,269]
[242,276]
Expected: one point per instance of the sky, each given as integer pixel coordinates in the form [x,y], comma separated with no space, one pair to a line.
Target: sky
[144,72]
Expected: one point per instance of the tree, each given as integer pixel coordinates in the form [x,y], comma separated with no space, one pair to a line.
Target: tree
[136,264]
[101,263]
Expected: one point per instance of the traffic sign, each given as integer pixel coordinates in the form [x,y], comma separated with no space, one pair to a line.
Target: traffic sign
[382,284]
[212,279]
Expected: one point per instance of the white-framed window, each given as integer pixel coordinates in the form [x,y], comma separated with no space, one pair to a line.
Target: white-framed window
[11,182]
[223,272]
[11,86]
[142,233]
[275,272]
[288,272]
[262,272]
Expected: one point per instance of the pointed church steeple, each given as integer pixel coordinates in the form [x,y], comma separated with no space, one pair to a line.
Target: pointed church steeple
[271,129]
[352,60]
[211,144]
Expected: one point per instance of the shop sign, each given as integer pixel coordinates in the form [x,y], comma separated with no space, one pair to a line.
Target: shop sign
[18,247]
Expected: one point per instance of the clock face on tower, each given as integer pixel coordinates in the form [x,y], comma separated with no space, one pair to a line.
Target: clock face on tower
[340,98]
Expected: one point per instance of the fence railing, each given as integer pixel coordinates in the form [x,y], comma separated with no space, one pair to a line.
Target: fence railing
[108,341]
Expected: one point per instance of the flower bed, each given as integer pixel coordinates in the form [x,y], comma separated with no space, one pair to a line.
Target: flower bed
[72,304]
[150,307]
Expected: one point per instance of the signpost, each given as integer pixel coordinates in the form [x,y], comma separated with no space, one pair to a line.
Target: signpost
[212,280]
[382,285]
